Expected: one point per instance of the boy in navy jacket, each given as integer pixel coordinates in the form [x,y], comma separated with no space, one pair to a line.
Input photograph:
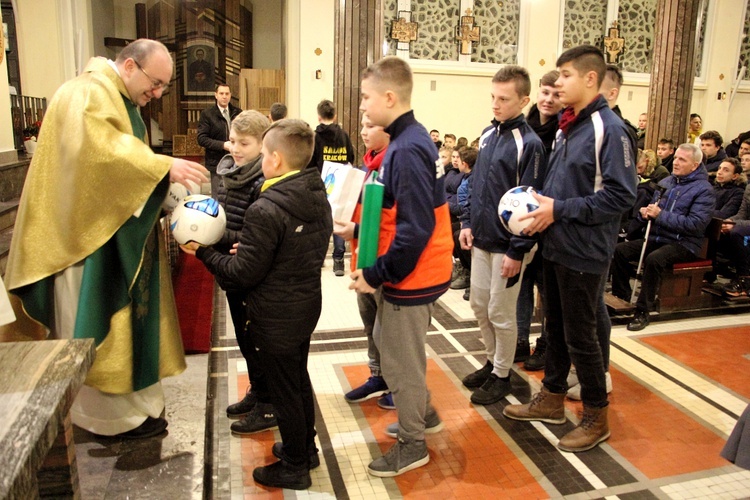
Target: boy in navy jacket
[591,181]
[510,154]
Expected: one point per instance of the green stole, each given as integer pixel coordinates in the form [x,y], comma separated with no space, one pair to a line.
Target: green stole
[131,256]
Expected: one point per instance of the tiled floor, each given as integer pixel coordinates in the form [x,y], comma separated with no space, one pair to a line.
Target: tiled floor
[679,387]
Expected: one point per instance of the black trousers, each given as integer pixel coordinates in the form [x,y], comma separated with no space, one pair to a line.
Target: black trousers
[236,301]
[571,305]
[659,256]
[292,398]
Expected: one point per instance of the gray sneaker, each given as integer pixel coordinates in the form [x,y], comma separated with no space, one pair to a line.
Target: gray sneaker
[432,424]
[402,457]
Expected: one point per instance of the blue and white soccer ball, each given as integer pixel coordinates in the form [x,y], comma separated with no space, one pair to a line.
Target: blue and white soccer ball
[198,218]
[516,202]
[177,192]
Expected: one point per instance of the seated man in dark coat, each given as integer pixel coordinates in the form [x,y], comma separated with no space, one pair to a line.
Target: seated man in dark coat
[678,222]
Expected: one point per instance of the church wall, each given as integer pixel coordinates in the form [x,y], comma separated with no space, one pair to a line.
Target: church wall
[40,47]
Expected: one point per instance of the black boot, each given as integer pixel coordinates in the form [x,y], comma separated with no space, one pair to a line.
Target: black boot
[261,418]
[313,458]
[639,321]
[537,359]
[282,474]
[243,407]
[523,351]
[476,379]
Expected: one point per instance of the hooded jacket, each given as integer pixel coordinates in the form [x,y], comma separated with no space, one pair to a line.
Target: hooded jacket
[589,195]
[686,208]
[728,198]
[282,248]
[239,188]
[501,166]
[331,144]
[713,163]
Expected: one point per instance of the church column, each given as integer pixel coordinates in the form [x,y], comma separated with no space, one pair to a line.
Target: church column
[673,70]
[358,43]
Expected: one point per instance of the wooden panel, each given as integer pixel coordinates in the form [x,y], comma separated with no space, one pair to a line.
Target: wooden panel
[259,88]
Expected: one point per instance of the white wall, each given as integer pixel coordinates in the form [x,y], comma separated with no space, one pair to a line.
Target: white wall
[6,119]
[309,27]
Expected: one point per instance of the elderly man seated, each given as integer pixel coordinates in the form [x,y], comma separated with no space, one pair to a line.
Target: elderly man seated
[678,223]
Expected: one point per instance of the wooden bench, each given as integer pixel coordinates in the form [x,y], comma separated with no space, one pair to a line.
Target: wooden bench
[38,383]
[681,286]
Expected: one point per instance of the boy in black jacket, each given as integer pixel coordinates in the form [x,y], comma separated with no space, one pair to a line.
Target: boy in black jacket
[281,250]
[332,144]
[241,179]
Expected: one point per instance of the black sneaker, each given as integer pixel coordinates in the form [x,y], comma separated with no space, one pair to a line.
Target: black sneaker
[639,321]
[492,391]
[373,387]
[260,419]
[282,474]
[523,351]
[737,288]
[537,358]
[243,407]
[467,294]
[338,267]
[313,460]
[477,378]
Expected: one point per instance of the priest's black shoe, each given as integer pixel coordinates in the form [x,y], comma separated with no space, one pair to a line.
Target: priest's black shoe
[639,321]
[150,428]
[313,459]
[282,474]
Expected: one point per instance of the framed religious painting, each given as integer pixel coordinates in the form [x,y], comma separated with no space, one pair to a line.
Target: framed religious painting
[200,69]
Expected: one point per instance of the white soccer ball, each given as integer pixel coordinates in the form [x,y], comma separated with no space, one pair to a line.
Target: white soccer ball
[515,203]
[177,192]
[198,218]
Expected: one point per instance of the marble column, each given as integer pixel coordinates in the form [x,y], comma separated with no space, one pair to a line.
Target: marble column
[358,43]
[673,69]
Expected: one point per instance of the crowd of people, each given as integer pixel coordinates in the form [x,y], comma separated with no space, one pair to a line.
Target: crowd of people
[603,195]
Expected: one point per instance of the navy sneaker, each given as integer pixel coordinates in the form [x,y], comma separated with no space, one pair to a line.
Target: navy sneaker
[374,387]
[386,402]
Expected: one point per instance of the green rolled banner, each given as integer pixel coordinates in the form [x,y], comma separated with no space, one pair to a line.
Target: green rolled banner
[369,226]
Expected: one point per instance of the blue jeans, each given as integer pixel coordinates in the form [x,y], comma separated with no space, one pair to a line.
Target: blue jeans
[571,302]
[339,247]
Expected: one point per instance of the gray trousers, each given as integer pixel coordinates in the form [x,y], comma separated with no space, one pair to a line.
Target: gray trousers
[494,305]
[368,309]
[400,334]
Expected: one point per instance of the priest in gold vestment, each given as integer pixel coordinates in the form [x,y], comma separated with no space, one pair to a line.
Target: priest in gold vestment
[86,259]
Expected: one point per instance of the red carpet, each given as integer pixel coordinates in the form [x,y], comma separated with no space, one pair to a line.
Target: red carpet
[194,294]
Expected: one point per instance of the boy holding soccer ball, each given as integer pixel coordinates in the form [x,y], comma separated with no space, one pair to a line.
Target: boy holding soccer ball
[591,181]
[241,179]
[281,250]
[510,154]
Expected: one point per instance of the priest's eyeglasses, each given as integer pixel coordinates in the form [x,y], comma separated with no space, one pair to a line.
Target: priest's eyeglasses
[155,84]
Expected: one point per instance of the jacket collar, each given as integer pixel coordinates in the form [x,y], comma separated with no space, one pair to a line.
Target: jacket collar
[508,124]
[400,124]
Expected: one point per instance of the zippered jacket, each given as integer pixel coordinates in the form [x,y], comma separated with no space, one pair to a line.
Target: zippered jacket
[510,155]
[592,178]
[416,242]
[686,208]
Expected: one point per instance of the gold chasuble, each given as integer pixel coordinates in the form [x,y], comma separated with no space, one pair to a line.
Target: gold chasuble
[93,196]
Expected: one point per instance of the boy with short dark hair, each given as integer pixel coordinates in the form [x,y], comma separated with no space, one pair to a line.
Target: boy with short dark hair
[510,155]
[413,267]
[281,250]
[332,144]
[665,153]
[713,153]
[590,182]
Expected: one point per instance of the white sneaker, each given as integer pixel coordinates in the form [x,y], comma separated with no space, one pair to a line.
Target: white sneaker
[575,390]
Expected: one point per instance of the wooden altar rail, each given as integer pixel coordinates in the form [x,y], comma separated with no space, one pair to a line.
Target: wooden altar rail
[25,111]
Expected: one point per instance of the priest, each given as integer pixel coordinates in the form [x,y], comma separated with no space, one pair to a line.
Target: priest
[86,259]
